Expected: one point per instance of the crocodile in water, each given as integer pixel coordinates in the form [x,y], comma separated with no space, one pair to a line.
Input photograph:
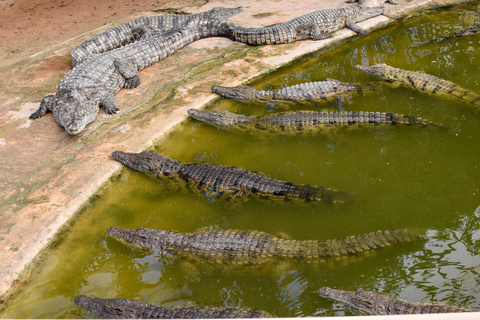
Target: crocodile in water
[379,304]
[301,120]
[252,247]
[96,80]
[310,91]
[143,27]
[420,81]
[225,181]
[315,25]
[119,308]
[468,31]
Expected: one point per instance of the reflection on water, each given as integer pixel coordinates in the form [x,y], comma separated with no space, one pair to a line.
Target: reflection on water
[425,179]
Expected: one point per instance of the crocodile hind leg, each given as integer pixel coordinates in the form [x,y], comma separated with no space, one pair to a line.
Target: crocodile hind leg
[46,105]
[317,33]
[129,72]
[141,33]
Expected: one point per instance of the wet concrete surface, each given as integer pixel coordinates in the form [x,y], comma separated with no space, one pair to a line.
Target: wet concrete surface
[47,176]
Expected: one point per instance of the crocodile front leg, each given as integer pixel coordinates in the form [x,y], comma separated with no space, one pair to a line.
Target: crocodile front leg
[109,104]
[129,72]
[46,105]
[141,33]
[355,27]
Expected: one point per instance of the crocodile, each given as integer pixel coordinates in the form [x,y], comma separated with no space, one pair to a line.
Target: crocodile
[301,120]
[379,304]
[420,81]
[315,25]
[121,308]
[230,182]
[234,247]
[371,3]
[468,31]
[96,80]
[144,27]
[309,91]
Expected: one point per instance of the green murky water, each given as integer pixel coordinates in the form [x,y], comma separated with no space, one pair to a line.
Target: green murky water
[420,178]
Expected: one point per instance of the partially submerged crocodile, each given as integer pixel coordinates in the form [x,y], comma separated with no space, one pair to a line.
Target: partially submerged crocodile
[379,304]
[420,81]
[301,120]
[468,31]
[309,91]
[252,247]
[120,308]
[227,181]
[371,3]
[96,80]
[316,25]
[144,27]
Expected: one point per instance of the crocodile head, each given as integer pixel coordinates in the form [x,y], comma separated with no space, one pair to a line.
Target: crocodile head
[363,300]
[379,70]
[147,239]
[240,92]
[367,13]
[109,308]
[149,162]
[220,13]
[73,110]
[216,117]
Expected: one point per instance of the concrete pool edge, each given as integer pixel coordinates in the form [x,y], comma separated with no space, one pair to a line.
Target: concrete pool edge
[109,135]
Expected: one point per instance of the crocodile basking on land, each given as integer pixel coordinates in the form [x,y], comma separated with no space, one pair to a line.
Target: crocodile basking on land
[301,120]
[468,31]
[315,25]
[252,247]
[420,81]
[310,91]
[225,181]
[96,80]
[119,308]
[144,27]
[379,304]
[371,3]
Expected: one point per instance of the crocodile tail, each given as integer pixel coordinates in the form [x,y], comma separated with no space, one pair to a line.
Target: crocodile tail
[467,95]
[312,193]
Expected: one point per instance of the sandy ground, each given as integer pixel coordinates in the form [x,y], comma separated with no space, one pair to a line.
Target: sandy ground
[29,26]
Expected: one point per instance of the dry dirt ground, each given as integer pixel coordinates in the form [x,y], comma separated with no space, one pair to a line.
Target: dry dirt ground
[28,26]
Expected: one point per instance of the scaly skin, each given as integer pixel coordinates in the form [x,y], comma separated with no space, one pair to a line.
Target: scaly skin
[310,91]
[371,3]
[252,247]
[379,304]
[96,80]
[316,25]
[225,181]
[468,31]
[301,120]
[420,81]
[143,27]
[119,308]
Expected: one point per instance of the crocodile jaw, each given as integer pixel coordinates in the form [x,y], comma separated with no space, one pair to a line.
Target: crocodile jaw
[240,92]
[216,117]
[365,14]
[362,300]
[378,70]
[147,239]
[143,161]
[220,13]
[73,110]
